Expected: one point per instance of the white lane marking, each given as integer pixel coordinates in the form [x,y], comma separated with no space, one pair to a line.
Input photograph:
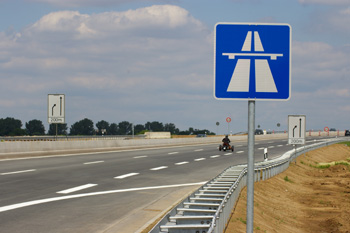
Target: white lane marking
[228,154]
[94,162]
[200,159]
[199,150]
[271,147]
[158,168]
[239,152]
[77,188]
[139,157]
[279,145]
[172,153]
[271,142]
[16,172]
[214,156]
[182,163]
[47,200]
[261,148]
[126,175]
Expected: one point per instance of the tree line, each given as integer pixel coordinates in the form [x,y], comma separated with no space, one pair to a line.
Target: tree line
[13,127]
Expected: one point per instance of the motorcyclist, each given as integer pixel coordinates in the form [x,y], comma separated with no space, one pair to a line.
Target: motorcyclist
[226,141]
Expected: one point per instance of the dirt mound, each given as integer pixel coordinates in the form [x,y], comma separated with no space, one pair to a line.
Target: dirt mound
[313,195]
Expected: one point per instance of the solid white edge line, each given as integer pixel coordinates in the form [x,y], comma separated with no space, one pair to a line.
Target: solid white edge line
[182,163]
[94,162]
[47,200]
[16,172]
[158,168]
[126,175]
[76,188]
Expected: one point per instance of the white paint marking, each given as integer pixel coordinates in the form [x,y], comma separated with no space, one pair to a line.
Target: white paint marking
[271,147]
[239,152]
[94,162]
[214,156]
[279,145]
[200,159]
[181,163]
[228,154]
[199,150]
[47,200]
[261,148]
[271,142]
[77,188]
[139,157]
[172,153]
[126,175]
[16,172]
[158,168]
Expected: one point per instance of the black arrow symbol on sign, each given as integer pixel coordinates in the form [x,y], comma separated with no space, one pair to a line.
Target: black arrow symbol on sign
[52,108]
[61,106]
[294,129]
[300,128]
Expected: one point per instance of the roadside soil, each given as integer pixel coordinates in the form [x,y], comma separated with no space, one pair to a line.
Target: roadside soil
[310,196]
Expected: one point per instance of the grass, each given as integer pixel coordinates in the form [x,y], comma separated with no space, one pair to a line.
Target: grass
[346,143]
[287,179]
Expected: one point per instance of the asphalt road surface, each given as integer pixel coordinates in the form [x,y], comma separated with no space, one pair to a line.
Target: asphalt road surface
[102,192]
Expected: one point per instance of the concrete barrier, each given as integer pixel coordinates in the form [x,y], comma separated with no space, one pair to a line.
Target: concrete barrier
[9,149]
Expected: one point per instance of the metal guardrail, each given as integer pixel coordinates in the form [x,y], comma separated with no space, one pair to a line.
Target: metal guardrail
[208,209]
[69,138]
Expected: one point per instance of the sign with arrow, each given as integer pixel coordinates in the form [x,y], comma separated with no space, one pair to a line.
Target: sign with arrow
[56,108]
[296,129]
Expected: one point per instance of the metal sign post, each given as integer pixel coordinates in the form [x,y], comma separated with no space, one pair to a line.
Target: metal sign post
[252,61]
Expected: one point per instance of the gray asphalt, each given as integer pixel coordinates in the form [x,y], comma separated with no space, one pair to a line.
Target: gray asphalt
[26,180]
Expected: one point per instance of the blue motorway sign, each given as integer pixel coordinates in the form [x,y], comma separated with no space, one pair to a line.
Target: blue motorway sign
[252,61]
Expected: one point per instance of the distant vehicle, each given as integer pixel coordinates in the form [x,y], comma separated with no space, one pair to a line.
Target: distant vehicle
[347,132]
[332,129]
[259,131]
[201,135]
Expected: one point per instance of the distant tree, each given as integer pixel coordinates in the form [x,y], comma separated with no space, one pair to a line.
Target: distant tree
[35,127]
[170,127]
[83,127]
[154,126]
[113,129]
[103,125]
[124,128]
[139,128]
[61,129]
[11,127]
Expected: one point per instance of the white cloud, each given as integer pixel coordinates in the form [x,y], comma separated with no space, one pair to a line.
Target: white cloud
[77,3]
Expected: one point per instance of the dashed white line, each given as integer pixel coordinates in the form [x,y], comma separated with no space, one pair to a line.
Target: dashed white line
[239,152]
[158,168]
[261,148]
[172,153]
[199,150]
[139,157]
[279,145]
[181,163]
[16,172]
[126,175]
[214,156]
[94,162]
[271,147]
[228,154]
[199,159]
[77,188]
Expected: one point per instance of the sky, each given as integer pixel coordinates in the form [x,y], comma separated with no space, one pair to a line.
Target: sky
[153,60]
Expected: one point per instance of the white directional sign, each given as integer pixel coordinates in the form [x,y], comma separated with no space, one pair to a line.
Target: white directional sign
[296,129]
[252,61]
[56,109]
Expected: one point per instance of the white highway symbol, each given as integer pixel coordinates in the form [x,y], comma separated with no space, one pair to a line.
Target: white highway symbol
[241,74]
